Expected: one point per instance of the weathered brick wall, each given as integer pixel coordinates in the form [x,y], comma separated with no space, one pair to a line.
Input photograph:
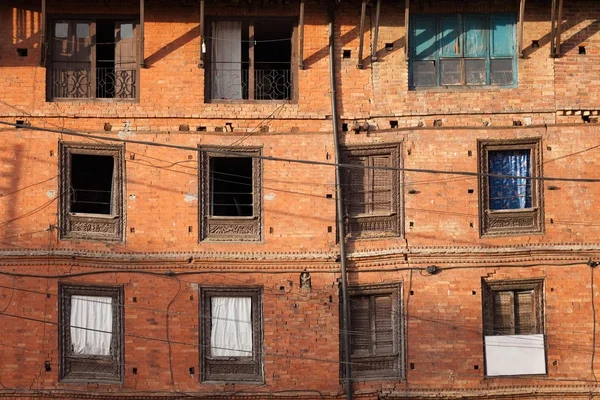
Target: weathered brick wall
[443,326]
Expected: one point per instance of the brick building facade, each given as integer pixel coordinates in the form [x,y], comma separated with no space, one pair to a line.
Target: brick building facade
[160,157]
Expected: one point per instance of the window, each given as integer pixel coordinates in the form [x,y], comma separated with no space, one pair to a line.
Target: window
[93,59]
[373,197]
[230,187]
[376,331]
[510,206]
[91,191]
[231,334]
[514,327]
[463,50]
[91,333]
[251,60]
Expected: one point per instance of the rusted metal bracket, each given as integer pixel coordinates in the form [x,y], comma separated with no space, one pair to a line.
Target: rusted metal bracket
[363,12]
[202,40]
[376,33]
[301,29]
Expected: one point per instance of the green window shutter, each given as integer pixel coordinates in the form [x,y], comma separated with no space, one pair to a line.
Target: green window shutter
[450,36]
[424,37]
[502,31]
[476,35]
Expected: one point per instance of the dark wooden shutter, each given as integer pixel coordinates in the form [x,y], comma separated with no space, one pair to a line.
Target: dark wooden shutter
[72,59]
[360,326]
[384,330]
[525,315]
[381,197]
[504,318]
[125,59]
[357,188]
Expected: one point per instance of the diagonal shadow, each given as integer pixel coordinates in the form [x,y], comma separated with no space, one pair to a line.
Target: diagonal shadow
[173,46]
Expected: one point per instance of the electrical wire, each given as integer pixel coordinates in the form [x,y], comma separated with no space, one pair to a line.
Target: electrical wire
[304,161]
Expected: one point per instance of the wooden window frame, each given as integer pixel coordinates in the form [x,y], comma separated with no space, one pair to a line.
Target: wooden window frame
[294,59]
[512,222]
[223,228]
[233,364]
[83,226]
[490,287]
[397,372]
[91,368]
[488,57]
[373,225]
[92,20]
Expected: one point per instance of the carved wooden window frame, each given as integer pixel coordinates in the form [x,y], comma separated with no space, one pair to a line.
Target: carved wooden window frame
[396,358]
[514,221]
[230,229]
[376,225]
[91,368]
[86,226]
[492,286]
[212,367]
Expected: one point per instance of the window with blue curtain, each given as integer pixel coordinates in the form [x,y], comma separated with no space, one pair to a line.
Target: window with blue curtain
[507,193]
[463,50]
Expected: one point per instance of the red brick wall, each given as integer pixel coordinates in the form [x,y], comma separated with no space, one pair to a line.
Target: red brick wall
[443,326]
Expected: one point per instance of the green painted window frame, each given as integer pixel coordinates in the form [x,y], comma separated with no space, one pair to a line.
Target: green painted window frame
[436,38]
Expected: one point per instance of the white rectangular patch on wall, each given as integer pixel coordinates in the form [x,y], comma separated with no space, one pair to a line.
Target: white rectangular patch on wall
[515,355]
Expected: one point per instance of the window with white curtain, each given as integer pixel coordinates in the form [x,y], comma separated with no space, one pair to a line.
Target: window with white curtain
[231,332]
[251,59]
[91,333]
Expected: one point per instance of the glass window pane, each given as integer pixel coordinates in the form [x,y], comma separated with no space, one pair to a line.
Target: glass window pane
[126,31]
[450,72]
[83,30]
[501,72]
[61,30]
[510,193]
[475,72]
[424,73]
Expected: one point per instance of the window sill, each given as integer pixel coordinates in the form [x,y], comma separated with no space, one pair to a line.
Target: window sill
[246,101]
[91,100]
[461,88]
[90,215]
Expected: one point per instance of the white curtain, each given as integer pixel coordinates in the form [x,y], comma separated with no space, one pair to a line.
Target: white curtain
[231,334]
[227,60]
[94,314]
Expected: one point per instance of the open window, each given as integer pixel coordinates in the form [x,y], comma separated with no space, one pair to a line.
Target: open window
[230,188]
[514,327]
[463,50]
[376,332]
[231,334]
[91,333]
[511,198]
[251,60]
[373,191]
[91,191]
[93,58]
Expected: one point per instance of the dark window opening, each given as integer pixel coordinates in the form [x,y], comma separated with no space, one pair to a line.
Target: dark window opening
[91,183]
[251,60]
[231,187]
[272,60]
[105,59]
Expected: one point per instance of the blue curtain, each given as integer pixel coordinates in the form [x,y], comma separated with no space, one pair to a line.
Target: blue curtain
[510,193]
